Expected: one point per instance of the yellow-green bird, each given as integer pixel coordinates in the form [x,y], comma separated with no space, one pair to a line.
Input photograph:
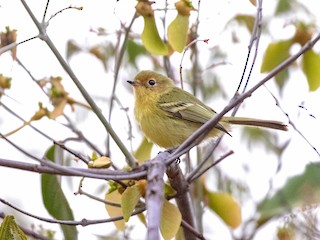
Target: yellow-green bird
[168,115]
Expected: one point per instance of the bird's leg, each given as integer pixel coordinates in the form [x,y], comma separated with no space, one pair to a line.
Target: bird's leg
[171,150]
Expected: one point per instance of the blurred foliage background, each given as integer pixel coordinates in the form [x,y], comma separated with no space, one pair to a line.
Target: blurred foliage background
[268,187]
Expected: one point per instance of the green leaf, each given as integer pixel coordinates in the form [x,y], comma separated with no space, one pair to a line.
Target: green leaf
[226,207]
[275,54]
[311,68]
[247,20]
[170,220]
[55,201]
[151,39]
[129,200]
[134,50]
[284,6]
[300,190]
[143,152]
[281,78]
[9,230]
[178,32]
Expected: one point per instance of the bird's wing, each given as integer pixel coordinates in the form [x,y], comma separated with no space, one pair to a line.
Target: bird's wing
[187,111]
[190,109]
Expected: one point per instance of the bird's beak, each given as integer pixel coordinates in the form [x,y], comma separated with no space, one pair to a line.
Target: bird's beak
[133,83]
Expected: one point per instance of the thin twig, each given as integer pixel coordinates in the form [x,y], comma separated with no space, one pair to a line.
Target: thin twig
[184,52]
[292,123]
[92,173]
[185,225]
[117,66]
[255,37]
[43,35]
[83,222]
[51,168]
[62,10]
[31,76]
[200,173]
[200,134]
[30,125]
[81,192]
[205,159]
[15,44]
[45,11]
[74,153]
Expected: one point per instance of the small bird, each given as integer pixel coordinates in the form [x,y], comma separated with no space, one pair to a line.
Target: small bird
[168,115]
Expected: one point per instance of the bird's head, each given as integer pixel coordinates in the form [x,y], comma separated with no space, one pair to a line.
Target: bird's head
[150,81]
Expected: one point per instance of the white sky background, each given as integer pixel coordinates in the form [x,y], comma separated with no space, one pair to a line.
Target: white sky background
[23,189]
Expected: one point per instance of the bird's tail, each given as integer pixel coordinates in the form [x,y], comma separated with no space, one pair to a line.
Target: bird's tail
[256,122]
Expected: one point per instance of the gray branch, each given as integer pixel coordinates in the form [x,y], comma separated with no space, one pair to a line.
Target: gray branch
[180,184]
[154,195]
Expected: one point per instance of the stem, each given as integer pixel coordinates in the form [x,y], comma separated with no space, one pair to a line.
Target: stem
[116,72]
[43,35]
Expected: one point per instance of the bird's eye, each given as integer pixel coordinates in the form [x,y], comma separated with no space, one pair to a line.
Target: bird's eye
[152,82]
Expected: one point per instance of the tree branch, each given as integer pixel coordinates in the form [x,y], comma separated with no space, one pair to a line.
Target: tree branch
[83,222]
[52,168]
[200,134]
[154,195]
[44,36]
[179,183]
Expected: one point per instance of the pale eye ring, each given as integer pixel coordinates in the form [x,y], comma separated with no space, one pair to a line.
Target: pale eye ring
[152,82]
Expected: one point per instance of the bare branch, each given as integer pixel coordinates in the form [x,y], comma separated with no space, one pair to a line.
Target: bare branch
[183,198]
[255,38]
[154,194]
[191,178]
[43,35]
[52,168]
[292,123]
[200,134]
[117,66]
[83,222]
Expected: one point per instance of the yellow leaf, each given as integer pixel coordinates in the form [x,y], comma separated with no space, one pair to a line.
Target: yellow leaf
[142,219]
[253,2]
[151,39]
[247,20]
[129,200]
[113,211]
[42,112]
[143,152]
[142,187]
[275,54]
[150,36]
[5,82]
[178,28]
[59,105]
[178,32]
[101,162]
[170,220]
[227,208]
[169,191]
[311,68]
